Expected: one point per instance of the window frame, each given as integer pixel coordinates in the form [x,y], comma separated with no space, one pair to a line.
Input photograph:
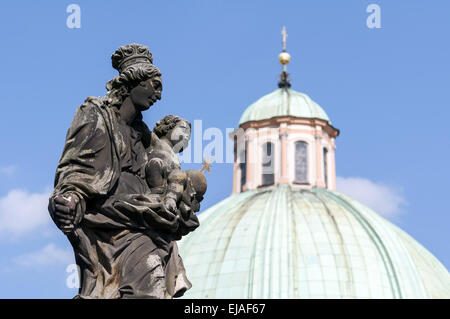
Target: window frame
[307,177]
[273,159]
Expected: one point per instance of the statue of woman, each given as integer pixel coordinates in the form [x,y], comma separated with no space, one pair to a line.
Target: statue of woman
[122,238]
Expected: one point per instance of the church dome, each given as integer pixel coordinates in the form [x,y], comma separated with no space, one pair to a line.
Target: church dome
[287,242]
[286,233]
[283,102]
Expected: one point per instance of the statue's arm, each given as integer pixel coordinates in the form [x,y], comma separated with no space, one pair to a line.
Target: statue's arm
[154,172]
[85,169]
[87,164]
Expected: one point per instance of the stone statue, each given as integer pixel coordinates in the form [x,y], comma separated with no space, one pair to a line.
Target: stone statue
[120,195]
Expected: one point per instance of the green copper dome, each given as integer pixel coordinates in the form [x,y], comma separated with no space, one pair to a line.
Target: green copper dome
[284,242]
[283,102]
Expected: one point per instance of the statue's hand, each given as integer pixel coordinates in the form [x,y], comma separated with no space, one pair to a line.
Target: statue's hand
[170,205]
[66,211]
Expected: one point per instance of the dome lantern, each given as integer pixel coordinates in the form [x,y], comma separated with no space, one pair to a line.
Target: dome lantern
[284,138]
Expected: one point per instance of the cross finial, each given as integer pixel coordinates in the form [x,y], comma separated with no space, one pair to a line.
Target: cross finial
[206,165]
[284,59]
[284,34]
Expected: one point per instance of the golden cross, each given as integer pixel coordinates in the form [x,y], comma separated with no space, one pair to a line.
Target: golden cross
[206,165]
[284,34]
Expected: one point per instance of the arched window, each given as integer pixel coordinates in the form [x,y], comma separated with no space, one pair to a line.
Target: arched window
[268,164]
[325,165]
[301,162]
[243,166]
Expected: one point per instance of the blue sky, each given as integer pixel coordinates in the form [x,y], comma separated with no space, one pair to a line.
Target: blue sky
[385,89]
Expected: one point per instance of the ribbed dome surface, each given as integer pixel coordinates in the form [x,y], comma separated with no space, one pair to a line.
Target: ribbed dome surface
[283,102]
[284,242]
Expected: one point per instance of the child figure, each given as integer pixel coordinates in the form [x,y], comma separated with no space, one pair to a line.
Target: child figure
[166,178]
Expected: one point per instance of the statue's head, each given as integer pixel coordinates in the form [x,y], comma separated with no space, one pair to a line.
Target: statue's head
[176,129]
[138,78]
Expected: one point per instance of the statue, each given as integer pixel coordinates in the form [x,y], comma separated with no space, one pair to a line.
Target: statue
[120,195]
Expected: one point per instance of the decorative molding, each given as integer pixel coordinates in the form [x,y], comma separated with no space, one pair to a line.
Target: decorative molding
[276,121]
